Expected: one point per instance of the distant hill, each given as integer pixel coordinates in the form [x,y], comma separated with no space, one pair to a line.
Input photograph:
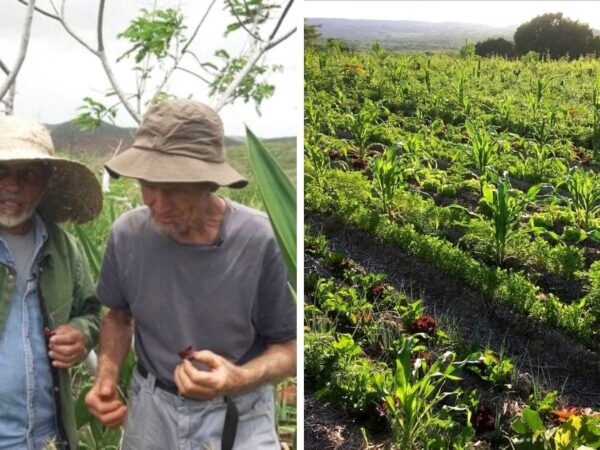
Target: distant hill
[407,34]
[104,140]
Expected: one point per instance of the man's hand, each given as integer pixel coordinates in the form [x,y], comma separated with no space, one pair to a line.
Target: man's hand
[222,378]
[67,346]
[104,403]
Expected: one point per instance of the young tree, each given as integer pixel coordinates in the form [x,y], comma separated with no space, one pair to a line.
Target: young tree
[161,44]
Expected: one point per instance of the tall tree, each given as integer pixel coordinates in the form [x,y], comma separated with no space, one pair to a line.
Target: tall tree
[554,36]
[311,35]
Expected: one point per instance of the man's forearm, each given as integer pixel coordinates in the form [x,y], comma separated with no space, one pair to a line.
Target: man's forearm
[273,365]
[115,341]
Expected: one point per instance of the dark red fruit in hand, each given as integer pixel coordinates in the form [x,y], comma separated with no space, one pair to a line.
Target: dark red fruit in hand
[48,333]
[188,353]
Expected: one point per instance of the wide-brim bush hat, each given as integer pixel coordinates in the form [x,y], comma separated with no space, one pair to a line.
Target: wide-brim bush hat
[178,141]
[73,192]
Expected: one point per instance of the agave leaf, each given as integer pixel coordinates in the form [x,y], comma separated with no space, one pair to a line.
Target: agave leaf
[92,253]
[279,197]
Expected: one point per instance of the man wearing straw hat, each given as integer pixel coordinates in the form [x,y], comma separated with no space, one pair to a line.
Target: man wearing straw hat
[49,317]
[200,279]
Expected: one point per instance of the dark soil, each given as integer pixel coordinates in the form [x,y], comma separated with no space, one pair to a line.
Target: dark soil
[328,428]
[555,360]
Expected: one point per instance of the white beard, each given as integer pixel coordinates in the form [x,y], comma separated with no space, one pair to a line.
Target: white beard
[10,221]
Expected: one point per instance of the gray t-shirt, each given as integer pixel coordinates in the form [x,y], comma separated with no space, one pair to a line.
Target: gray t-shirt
[231,297]
[21,248]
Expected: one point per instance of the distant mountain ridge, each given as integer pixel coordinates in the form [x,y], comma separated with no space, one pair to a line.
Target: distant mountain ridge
[105,139]
[407,34]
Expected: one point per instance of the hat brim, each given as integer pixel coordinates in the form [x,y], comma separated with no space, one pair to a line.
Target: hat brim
[157,167]
[73,192]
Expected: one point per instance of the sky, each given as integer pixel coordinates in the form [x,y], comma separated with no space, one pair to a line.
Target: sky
[58,72]
[493,13]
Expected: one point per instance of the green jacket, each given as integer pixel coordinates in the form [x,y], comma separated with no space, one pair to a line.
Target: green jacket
[66,293]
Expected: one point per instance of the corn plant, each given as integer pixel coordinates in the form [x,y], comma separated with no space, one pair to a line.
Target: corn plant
[541,159]
[388,176]
[361,127]
[544,129]
[414,390]
[279,196]
[461,93]
[585,195]
[506,208]
[482,153]
[504,108]
[315,162]
[596,119]
[538,90]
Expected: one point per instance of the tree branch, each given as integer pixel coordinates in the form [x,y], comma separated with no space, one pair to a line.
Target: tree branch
[183,69]
[40,10]
[243,25]
[5,69]
[10,79]
[252,61]
[107,69]
[276,42]
[283,14]
[184,50]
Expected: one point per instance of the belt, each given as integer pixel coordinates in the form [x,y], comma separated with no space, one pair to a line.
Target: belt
[231,413]
[169,387]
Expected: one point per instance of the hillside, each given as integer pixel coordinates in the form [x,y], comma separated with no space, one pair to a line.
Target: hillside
[407,34]
[103,141]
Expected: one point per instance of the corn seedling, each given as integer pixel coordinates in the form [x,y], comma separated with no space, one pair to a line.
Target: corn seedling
[414,390]
[506,209]
[361,127]
[388,176]
[482,153]
[585,195]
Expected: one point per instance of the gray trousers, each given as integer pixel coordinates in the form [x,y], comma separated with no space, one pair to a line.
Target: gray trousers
[159,420]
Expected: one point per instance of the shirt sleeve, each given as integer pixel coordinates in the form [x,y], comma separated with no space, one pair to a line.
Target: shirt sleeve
[110,290]
[275,308]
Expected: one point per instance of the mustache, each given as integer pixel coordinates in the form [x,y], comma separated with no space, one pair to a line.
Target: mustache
[8,197]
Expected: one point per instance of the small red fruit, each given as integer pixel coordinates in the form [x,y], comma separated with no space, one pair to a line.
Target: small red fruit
[48,333]
[188,353]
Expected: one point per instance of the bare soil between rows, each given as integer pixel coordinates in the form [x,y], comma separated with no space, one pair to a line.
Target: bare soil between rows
[557,360]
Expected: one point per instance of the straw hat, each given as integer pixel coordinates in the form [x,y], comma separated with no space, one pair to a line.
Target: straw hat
[73,191]
[178,141]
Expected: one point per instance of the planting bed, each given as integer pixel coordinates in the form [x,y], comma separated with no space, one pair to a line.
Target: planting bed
[463,198]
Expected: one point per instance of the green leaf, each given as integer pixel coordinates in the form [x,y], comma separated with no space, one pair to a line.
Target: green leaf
[519,426]
[279,197]
[533,419]
[91,251]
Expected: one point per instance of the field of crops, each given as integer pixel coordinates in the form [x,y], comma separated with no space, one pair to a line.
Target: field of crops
[452,275]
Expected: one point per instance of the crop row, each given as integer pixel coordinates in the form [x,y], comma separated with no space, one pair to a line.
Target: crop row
[346,197]
[370,350]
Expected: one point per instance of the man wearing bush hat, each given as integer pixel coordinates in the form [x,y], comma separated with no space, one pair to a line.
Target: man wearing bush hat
[49,317]
[200,279]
